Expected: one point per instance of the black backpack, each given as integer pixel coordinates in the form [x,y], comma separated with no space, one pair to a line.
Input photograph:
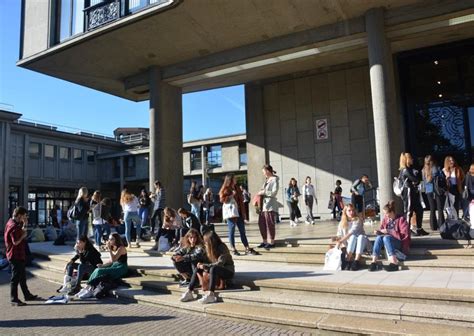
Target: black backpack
[456,229]
[73,213]
[440,185]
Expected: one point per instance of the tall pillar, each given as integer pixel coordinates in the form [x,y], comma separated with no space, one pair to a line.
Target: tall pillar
[255,124]
[383,99]
[203,166]
[166,138]
[4,172]
[122,172]
[25,185]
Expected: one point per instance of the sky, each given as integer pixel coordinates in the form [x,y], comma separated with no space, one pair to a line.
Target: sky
[54,101]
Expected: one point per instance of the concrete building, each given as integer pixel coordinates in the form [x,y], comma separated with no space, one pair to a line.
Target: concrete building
[334,89]
[43,165]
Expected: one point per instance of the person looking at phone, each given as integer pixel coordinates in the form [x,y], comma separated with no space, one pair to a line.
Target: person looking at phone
[15,242]
[393,234]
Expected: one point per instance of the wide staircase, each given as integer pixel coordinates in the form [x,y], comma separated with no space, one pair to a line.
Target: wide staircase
[431,295]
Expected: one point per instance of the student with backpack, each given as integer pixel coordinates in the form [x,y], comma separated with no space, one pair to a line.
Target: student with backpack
[411,194]
[79,212]
[431,174]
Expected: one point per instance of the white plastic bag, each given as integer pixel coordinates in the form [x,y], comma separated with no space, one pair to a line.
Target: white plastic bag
[163,244]
[332,261]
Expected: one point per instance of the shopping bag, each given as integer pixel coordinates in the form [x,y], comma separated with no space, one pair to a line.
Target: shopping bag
[332,261]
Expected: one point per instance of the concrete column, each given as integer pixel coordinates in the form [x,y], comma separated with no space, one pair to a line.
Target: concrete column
[383,99]
[204,165]
[122,172]
[4,172]
[25,186]
[256,154]
[166,138]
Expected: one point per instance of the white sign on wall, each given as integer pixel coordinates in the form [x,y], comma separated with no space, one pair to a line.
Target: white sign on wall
[322,130]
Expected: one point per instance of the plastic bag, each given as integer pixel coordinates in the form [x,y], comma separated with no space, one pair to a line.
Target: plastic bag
[332,261]
[163,244]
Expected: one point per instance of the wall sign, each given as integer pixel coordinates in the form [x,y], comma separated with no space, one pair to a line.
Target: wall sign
[322,132]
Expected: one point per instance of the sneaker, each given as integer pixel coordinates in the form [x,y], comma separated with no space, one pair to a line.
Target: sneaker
[414,232]
[312,222]
[292,223]
[210,298]
[355,266]
[422,232]
[65,289]
[186,297]
[235,252]
[251,251]
[17,303]
[85,294]
[262,245]
[307,222]
[391,268]
[373,267]
[184,283]
[31,297]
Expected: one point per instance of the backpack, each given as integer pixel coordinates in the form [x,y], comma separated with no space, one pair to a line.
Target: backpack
[456,229]
[440,184]
[398,186]
[73,213]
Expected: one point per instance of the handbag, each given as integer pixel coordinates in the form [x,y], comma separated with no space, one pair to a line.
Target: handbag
[230,209]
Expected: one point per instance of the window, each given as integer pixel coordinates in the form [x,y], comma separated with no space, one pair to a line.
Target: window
[129,166]
[90,156]
[214,156]
[242,154]
[64,153]
[49,152]
[77,154]
[196,162]
[35,149]
[71,18]
[135,5]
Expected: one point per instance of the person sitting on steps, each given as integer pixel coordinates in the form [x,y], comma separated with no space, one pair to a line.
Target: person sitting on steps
[393,235]
[188,255]
[220,265]
[89,258]
[351,229]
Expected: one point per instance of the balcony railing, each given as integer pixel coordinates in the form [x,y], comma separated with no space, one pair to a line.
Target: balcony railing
[102,13]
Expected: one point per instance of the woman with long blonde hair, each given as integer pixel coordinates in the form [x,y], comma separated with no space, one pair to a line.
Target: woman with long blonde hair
[410,195]
[351,230]
[454,178]
[130,205]
[431,173]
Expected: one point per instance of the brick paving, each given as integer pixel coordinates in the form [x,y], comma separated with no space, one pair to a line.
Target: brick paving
[111,316]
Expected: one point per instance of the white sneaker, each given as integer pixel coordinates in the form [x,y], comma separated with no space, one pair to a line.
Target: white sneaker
[65,288]
[210,298]
[293,223]
[307,222]
[86,294]
[188,296]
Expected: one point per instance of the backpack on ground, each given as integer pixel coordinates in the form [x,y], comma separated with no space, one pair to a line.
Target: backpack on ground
[456,229]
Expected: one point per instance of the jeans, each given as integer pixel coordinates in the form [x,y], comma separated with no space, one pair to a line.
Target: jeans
[18,269]
[356,243]
[391,244]
[453,190]
[214,273]
[81,227]
[207,215]
[130,217]
[436,204]
[157,215]
[143,213]
[196,209]
[308,200]
[82,269]
[231,223]
[184,267]
[98,232]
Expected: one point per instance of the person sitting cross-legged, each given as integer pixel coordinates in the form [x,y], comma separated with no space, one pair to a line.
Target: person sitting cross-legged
[393,234]
[188,255]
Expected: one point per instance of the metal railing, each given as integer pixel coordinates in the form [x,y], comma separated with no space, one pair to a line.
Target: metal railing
[134,139]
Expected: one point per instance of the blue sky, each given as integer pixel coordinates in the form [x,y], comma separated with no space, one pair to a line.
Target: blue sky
[54,101]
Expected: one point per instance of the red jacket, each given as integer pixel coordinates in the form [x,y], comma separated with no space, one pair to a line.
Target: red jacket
[400,231]
[14,231]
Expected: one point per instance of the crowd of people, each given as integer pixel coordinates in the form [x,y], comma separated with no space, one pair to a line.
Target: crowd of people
[199,254]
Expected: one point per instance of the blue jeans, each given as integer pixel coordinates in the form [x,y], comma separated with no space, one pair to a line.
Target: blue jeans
[130,217]
[98,231]
[391,244]
[143,213]
[207,214]
[356,243]
[81,228]
[231,223]
[196,209]
[82,269]
[106,229]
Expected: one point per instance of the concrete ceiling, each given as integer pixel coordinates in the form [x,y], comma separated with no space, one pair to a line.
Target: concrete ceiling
[196,29]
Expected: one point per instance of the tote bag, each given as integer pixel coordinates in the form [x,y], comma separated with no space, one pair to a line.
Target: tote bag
[332,261]
[230,209]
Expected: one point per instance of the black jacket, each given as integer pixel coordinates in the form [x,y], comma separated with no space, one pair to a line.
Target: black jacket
[90,256]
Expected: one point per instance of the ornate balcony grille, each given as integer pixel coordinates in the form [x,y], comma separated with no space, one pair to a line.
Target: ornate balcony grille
[102,13]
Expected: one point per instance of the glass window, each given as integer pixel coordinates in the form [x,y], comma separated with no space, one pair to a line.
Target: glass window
[196,162]
[64,153]
[90,156]
[71,18]
[49,151]
[214,156]
[35,149]
[242,154]
[77,154]
[129,166]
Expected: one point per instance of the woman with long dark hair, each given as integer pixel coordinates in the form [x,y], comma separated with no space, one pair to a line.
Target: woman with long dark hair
[292,194]
[430,173]
[230,196]
[220,265]
[188,255]
[267,217]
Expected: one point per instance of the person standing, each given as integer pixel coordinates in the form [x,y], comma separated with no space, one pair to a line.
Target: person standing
[143,211]
[246,195]
[15,243]
[358,189]
[309,195]
[267,217]
[129,203]
[292,194]
[410,194]
[97,220]
[468,193]
[430,172]
[82,206]
[159,199]
[455,178]
[337,201]
[193,199]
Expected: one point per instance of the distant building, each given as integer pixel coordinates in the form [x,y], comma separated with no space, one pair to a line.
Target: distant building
[42,166]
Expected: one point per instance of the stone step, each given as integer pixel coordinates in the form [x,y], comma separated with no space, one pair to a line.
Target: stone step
[275,310]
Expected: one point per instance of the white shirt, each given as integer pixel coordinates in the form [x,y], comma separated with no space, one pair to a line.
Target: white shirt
[132,206]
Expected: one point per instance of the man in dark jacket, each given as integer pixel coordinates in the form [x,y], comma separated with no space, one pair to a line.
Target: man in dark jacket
[15,241]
